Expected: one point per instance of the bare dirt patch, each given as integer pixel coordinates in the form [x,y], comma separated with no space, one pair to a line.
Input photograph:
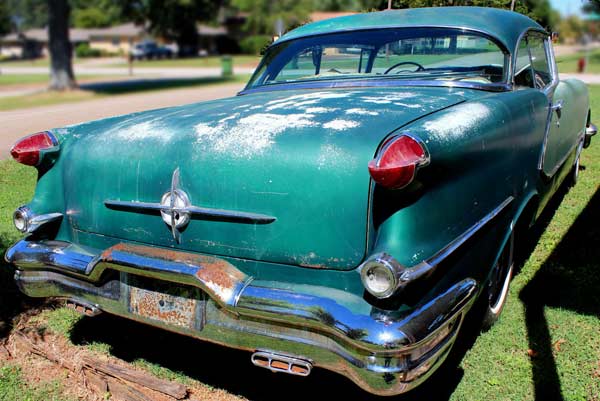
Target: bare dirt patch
[46,357]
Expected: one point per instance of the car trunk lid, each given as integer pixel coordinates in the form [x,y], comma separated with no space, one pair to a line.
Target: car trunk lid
[298,157]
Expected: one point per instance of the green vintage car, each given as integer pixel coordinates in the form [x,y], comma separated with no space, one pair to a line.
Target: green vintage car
[344,212]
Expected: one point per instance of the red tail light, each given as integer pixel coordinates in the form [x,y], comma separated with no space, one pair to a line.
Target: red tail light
[27,150]
[396,164]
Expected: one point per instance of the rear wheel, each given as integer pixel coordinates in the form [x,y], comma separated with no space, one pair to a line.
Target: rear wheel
[494,295]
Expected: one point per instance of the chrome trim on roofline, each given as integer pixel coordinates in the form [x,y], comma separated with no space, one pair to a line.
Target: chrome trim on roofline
[506,85]
[374,83]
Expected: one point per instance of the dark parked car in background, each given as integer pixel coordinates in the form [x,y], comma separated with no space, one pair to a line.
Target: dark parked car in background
[150,50]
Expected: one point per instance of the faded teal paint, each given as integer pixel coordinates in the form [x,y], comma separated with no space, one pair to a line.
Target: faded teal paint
[299,157]
[565,129]
[504,26]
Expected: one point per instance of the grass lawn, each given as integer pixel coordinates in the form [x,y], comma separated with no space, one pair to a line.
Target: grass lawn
[26,79]
[568,64]
[41,62]
[546,345]
[7,80]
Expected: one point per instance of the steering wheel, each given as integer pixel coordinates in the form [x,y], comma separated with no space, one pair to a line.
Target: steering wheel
[419,66]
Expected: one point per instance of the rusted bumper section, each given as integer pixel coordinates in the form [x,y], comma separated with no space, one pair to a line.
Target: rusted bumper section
[384,352]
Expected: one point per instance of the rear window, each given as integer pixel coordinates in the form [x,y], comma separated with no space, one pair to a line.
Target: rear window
[410,54]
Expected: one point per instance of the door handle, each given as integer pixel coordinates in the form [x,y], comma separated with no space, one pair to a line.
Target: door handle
[557,107]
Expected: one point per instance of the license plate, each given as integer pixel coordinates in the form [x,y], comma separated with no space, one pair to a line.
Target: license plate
[168,303]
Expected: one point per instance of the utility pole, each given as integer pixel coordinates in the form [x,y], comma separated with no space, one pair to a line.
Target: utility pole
[512,5]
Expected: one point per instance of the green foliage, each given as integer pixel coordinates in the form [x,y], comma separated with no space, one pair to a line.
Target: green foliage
[60,321]
[91,18]
[254,44]
[14,387]
[5,25]
[571,27]
[28,13]
[83,50]
[539,10]
[263,14]
[95,13]
[172,19]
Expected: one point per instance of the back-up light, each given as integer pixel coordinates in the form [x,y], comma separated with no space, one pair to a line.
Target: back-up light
[398,161]
[27,150]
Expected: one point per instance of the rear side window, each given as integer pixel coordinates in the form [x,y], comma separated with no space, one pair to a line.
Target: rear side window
[523,72]
[539,61]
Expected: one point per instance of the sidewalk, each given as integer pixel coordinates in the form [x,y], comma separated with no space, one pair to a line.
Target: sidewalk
[590,79]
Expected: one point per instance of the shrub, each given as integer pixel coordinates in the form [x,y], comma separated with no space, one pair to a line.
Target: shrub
[83,50]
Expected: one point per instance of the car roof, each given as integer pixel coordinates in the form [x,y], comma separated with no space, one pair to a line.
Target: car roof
[503,25]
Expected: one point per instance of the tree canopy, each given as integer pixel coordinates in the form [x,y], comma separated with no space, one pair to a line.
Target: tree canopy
[5,23]
[263,14]
[539,10]
[95,13]
[173,19]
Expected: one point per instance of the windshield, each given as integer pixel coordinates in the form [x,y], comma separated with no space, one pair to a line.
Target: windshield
[399,54]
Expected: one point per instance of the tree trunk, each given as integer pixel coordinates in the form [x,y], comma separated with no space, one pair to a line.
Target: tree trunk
[61,67]
[187,39]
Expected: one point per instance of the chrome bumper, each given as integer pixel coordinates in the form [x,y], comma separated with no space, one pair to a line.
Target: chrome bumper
[384,352]
[590,131]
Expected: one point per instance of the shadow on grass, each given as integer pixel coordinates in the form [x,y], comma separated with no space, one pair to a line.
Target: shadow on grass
[120,87]
[12,302]
[569,279]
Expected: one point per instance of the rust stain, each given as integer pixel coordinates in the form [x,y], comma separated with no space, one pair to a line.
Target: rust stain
[218,275]
[167,308]
[221,274]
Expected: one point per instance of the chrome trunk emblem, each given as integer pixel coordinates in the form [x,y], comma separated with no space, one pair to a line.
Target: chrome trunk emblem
[176,210]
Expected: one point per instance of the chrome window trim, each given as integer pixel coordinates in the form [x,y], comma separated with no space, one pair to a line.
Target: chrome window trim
[549,92]
[506,83]
[374,83]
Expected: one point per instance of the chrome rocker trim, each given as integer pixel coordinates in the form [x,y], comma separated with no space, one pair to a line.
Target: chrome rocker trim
[383,352]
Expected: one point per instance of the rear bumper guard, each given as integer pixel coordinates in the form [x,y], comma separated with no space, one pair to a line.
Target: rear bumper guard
[384,352]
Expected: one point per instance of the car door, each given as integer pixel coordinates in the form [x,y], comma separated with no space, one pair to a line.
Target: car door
[545,78]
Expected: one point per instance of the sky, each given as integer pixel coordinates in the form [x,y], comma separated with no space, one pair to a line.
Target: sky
[567,7]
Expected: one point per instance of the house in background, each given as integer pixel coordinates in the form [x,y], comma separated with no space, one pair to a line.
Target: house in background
[116,39]
[33,43]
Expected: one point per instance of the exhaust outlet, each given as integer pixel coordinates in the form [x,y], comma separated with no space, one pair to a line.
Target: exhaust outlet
[281,363]
[83,308]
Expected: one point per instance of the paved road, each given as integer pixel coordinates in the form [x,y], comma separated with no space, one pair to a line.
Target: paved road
[18,123]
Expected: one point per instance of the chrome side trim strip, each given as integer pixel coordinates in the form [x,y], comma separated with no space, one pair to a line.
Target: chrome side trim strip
[200,212]
[430,265]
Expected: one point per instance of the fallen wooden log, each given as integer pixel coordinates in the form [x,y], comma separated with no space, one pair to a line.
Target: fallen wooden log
[175,390]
